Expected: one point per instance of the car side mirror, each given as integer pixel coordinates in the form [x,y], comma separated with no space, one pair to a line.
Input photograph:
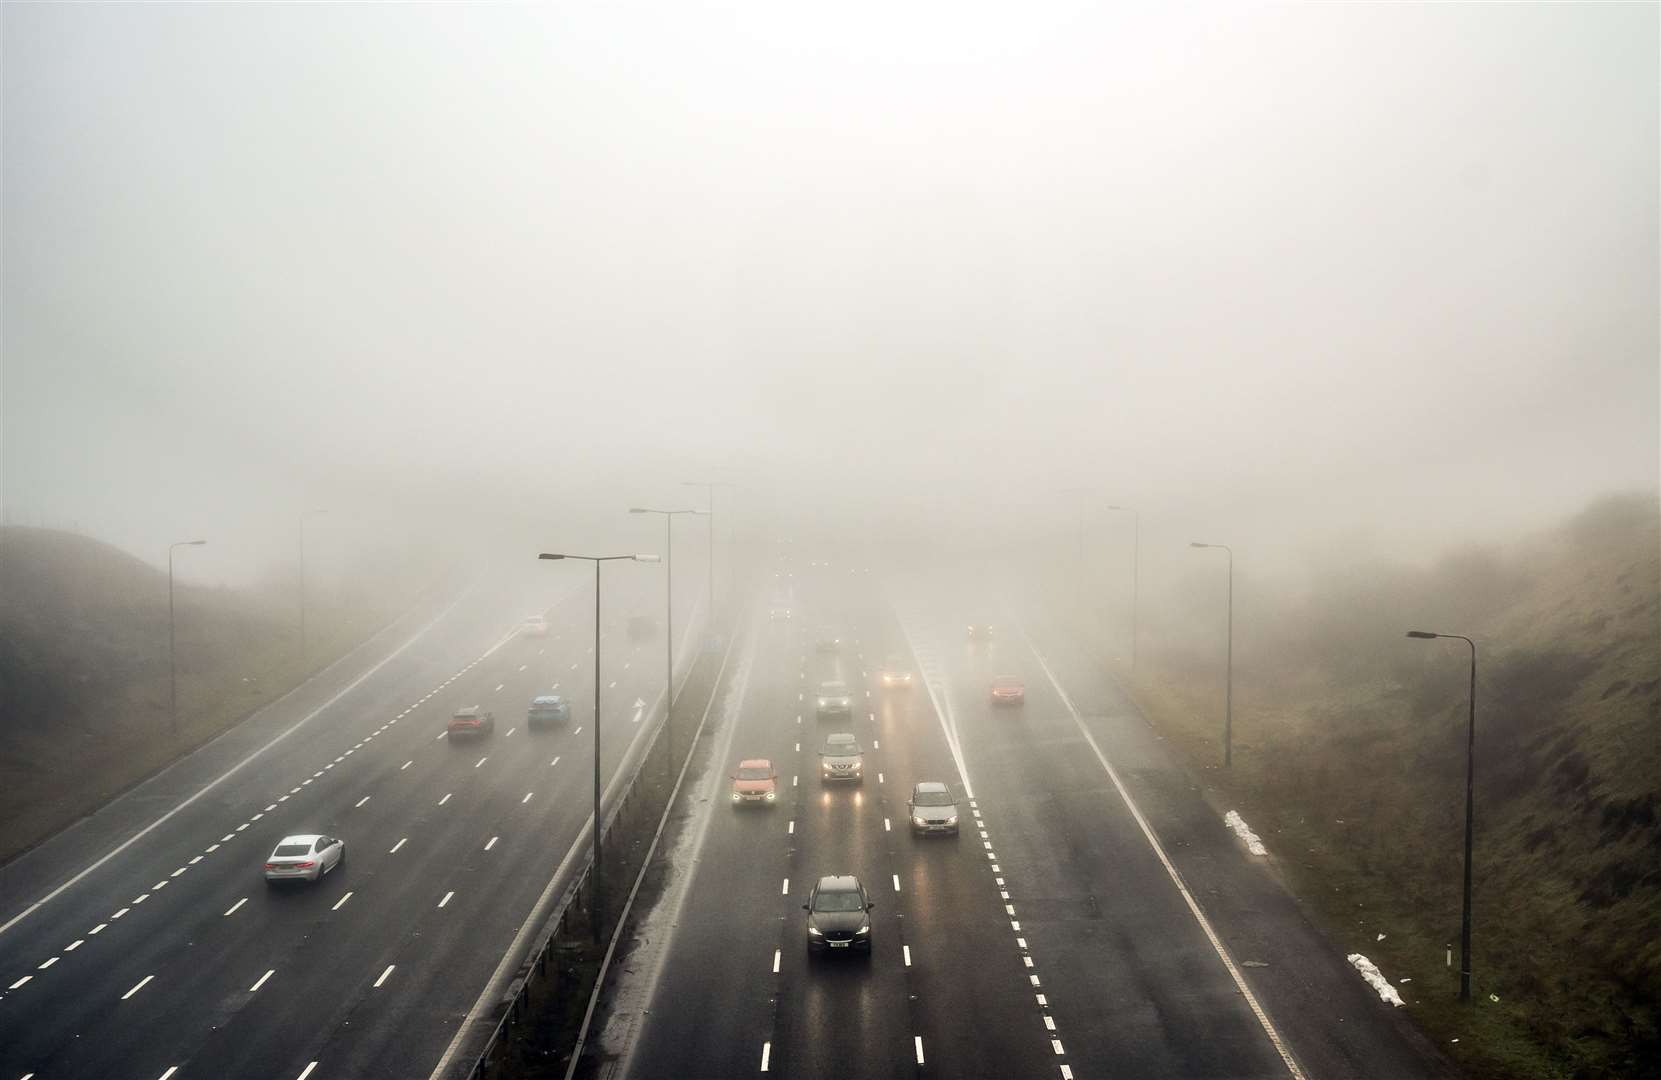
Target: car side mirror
[870,905]
[804,907]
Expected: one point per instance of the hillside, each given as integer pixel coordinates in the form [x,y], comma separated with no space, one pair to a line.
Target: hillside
[84,670]
[1349,759]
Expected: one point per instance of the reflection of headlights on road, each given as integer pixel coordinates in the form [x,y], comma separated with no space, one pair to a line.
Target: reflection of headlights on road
[813,931]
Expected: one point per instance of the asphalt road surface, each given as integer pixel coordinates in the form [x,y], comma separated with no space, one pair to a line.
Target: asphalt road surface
[144,941]
[1093,919]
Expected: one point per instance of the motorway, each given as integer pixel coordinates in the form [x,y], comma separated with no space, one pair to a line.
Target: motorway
[143,942]
[1093,919]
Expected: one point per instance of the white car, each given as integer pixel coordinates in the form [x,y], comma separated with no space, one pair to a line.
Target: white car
[535,626]
[306,857]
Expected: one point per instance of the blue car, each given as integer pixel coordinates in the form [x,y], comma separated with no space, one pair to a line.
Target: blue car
[548,709]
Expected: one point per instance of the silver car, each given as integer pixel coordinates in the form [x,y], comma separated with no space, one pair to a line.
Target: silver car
[306,857]
[841,759]
[933,808]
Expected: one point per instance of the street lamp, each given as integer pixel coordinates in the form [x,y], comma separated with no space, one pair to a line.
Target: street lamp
[1470,806]
[1135,575]
[710,486]
[172,640]
[599,877]
[669,517]
[1228,698]
[303,651]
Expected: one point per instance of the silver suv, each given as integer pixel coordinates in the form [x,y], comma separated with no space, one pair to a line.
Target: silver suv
[841,759]
[933,808]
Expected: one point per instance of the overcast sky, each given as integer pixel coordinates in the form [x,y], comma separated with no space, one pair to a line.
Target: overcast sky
[1338,269]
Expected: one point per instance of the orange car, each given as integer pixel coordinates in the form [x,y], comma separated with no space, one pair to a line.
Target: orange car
[1008,690]
[755,781]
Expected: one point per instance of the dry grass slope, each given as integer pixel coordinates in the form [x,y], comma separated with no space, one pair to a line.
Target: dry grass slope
[1350,756]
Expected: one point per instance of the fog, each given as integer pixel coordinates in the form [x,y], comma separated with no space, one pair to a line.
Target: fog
[1298,278]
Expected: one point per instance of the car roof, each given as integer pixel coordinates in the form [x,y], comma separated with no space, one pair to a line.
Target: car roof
[467,710]
[931,785]
[301,838]
[755,763]
[838,883]
[546,699]
[1007,679]
[840,737]
[837,683]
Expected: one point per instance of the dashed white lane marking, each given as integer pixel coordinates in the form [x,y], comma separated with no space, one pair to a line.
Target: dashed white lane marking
[261,980]
[527,798]
[20,982]
[1147,832]
[522,666]
[776,954]
[244,825]
[509,735]
[441,735]
[1034,980]
[361,801]
[896,883]
[481,761]
[398,845]
[498,687]
[785,890]
[158,886]
[180,870]
[303,783]
[798,747]
[47,963]
[876,744]
[211,848]
[306,1071]
[879,778]
[611,685]
[917,1041]
[766,1053]
[171,1069]
[886,827]
[1049,1023]
[552,763]
[228,837]
[491,843]
[137,987]
[73,945]
[141,899]
[446,899]
[906,949]
[1057,1044]
[100,927]
[446,798]
[231,910]
[406,765]
[578,730]
[384,975]
[790,827]
[342,901]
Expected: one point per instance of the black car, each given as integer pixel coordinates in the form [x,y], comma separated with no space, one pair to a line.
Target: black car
[838,915]
[834,703]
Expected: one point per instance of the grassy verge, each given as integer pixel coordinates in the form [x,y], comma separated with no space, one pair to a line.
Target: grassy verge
[1349,760]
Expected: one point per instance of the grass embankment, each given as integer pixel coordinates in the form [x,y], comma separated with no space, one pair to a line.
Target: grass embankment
[84,670]
[1349,759]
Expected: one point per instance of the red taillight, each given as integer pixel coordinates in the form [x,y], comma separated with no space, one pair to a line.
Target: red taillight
[271,866]
[307,865]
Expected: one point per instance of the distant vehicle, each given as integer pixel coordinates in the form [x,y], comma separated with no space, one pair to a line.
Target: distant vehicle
[1008,690]
[534,626]
[838,915]
[642,627]
[834,702]
[895,674]
[304,857]
[754,782]
[471,721]
[547,710]
[778,614]
[980,631]
[841,759]
[828,640]
[933,808]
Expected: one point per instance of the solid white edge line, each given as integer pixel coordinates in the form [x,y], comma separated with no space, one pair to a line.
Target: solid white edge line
[303,721]
[137,987]
[384,975]
[917,1041]
[1165,861]
[766,1054]
[261,980]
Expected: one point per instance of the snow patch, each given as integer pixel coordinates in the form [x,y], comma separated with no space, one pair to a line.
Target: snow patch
[1376,979]
[1234,821]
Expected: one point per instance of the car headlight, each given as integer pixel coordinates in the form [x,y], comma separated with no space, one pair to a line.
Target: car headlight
[921,821]
[866,929]
[735,796]
[823,703]
[771,795]
[952,820]
[813,931]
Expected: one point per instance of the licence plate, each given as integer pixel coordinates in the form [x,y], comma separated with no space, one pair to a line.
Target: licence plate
[839,944]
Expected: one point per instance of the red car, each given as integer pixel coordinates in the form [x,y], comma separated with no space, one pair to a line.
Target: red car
[1008,690]
[754,782]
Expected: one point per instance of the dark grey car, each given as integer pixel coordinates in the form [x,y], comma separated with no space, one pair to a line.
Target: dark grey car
[835,703]
[838,915]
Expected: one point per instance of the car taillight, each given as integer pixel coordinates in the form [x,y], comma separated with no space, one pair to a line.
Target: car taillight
[307,865]
[271,866]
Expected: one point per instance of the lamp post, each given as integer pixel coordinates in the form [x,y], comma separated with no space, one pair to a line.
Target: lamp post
[669,517]
[173,641]
[1228,694]
[1135,574]
[303,650]
[599,877]
[1470,807]
[710,486]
